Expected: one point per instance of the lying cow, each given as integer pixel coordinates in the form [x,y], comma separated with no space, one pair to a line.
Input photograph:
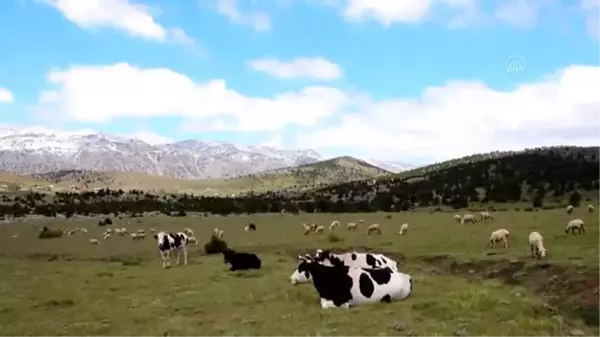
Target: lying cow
[339,285]
[241,261]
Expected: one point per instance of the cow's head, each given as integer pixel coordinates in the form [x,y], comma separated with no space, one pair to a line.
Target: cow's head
[228,254]
[302,273]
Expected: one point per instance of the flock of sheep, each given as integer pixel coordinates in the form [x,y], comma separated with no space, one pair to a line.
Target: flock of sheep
[535,239]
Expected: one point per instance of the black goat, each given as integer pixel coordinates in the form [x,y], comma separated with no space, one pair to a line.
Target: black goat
[241,261]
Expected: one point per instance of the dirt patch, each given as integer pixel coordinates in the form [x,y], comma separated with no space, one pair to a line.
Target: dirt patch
[572,289]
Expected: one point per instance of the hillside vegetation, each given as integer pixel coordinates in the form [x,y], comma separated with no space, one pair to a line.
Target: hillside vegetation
[533,175]
[332,171]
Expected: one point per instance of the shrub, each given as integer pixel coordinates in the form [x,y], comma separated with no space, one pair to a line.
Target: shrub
[215,246]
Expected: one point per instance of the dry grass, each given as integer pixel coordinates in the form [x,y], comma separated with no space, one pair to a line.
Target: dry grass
[70,287]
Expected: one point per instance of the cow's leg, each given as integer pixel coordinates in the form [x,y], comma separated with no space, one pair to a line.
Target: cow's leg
[163,259]
[185,254]
[582,229]
[532,250]
[327,304]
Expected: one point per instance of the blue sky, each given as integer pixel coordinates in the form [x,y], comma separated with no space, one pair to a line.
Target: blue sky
[400,80]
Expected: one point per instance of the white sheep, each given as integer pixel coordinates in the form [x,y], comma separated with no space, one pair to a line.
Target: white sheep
[141,231]
[94,241]
[83,230]
[536,244]
[140,236]
[188,231]
[319,230]
[468,217]
[362,221]
[457,218]
[498,236]
[108,231]
[374,228]
[575,224]
[352,226]
[569,209]
[192,239]
[134,235]
[590,208]
[334,224]
[306,228]
[106,236]
[120,231]
[313,226]
[485,215]
[403,229]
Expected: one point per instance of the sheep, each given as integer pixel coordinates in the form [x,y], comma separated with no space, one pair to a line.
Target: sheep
[120,231]
[497,236]
[334,224]
[94,241]
[188,232]
[70,232]
[374,228]
[106,236]
[569,209]
[362,221]
[319,230]
[141,231]
[313,226]
[590,208]
[485,216]
[403,229]
[108,231]
[457,218]
[140,236]
[352,226]
[83,230]
[192,239]
[134,236]
[152,230]
[575,224]
[468,217]
[306,228]
[536,244]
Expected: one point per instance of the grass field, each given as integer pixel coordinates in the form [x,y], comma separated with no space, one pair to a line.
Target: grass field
[67,286]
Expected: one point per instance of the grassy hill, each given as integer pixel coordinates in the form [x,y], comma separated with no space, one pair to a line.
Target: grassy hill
[549,174]
[314,175]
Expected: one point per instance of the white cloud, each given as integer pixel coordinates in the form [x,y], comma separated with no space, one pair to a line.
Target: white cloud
[388,12]
[463,118]
[135,19]
[258,20]
[520,13]
[149,137]
[6,96]
[591,9]
[105,93]
[316,68]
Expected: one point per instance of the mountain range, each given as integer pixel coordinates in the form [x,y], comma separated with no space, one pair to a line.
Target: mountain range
[38,150]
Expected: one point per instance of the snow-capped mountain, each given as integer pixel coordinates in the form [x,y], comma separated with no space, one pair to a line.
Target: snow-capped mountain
[392,166]
[37,150]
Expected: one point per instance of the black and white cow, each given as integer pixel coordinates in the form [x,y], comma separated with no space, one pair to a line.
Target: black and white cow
[339,285]
[351,259]
[168,242]
[241,261]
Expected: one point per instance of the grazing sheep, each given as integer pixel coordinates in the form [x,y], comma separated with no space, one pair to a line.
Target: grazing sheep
[590,208]
[575,224]
[374,228]
[498,236]
[319,230]
[313,226]
[361,221]
[120,231]
[83,230]
[352,226]
[94,241]
[403,229]
[485,216]
[168,242]
[140,236]
[468,218]
[106,236]
[108,231]
[241,261]
[457,218]
[250,228]
[141,231]
[569,209]
[306,228]
[536,244]
[152,230]
[188,232]
[334,224]
[192,239]
[134,236]
[70,232]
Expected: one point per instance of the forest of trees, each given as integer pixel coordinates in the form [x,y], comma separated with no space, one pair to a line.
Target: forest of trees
[566,174]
